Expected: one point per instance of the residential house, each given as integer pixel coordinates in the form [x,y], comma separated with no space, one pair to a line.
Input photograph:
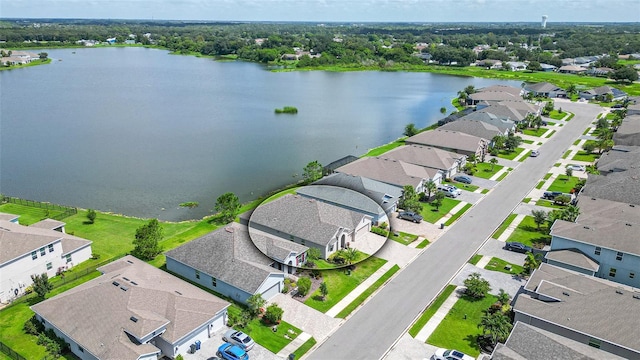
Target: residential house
[548,67]
[599,71]
[606,233]
[227,262]
[390,171]
[496,95]
[571,69]
[621,186]
[311,223]
[581,308]
[504,126]
[385,195]
[573,259]
[132,311]
[455,141]
[345,198]
[447,162]
[517,65]
[628,132]
[503,112]
[43,247]
[545,89]
[528,342]
[620,158]
[601,93]
[477,128]
[523,107]
[330,168]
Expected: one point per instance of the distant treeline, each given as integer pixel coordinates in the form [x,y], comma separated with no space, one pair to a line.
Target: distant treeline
[339,44]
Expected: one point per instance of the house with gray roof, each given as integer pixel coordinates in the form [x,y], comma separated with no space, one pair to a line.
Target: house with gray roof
[454,141]
[311,223]
[479,96]
[504,126]
[545,89]
[447,162]
[390,171]
[522,106]
[585,309]
[602,92]
[503,112]
[628,132]
[345,198]
[385,195]
[616,186]
[603,241]
[474,127]
[528,342]
[227,262]
[40,248]
[132,311]
[619,158]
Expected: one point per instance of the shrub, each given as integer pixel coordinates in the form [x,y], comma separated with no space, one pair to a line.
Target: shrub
[378,231]
[33,326]
[477,287]
[274,313]
[91,215]
[313,254]
[254,303]
[383,225]
[304,285]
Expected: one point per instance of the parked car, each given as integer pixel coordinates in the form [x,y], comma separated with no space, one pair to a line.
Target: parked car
[463,179]
[444,354]
[454,189]
[534,153]
[517,247]
[617,106]
[447,191]
[411,216]
[231,352]
[576,167]
[239,338]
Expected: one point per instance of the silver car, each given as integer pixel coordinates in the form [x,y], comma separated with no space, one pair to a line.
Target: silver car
[239,338]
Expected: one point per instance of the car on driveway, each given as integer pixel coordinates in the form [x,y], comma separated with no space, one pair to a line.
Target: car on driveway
[576,167]
[411,216]
[463,179]
[454,189]
[444,354]
[550,195]
[231,352]
[448,191]
[239,338]
[534,153]
[517,247]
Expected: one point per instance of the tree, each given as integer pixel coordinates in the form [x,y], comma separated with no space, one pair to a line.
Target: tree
[410,130]
[503,297]
[493,162]
[470,89]
[531,262]
[477,287]
[569,172]
[570,213]
[589,146]
[350,255]
[255,302]
[312,172]
[496,325]
[410,200]
[41,284]
[304,285]
[313,253]
[273,313]
[430,187]
[572,89]
[91,215]
[147,240]
[625,74]
[443,110]
[604,144]
[562,199]
[602,123]
[228,205]
[437,200]
[512,142]
[324,290]
[539,217]
[43,55]
[498,141]
[534,66]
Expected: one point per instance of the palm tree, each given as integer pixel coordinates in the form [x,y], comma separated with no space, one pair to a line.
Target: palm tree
[571,213]
[493,162]
[539,217]
[324,290]
[572,89]
[470,89]
[472,158]
[430,188]
[350,255]
[496,325]
[531,262]
[437,201]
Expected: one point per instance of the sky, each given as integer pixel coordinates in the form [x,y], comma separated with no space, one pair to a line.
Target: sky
[422,11]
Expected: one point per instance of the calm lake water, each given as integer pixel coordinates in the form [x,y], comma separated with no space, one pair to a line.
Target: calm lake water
[137,131]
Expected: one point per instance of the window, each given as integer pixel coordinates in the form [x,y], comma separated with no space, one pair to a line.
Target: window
[50,248]
[68,258]
[595,343]
[34,255]
[49,266]
[598,250]
[612,272]
[197,274]
[214,282]
[80,349]
[632,275]
[42,252]
[619,256]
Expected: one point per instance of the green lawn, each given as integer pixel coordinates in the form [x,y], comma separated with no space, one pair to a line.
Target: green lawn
[577,142]
[370,290]
[474,259]
[563,183]
[535,132]
[566,153]
[459,329]
[430,214]
[586,131]
[423,244]
[431,310]
[384,148]
[28,214]
[403,238]
[528,141]
[584,156]
[505,224]
[304,348]
[547,176]
[527,233]
[556,115]
[462,186]
[525,156]
[497,264]
[526,200]
[550,134]
[510,155]
[340,284]
[264,335]
[455,216]
[487,170]
[501,177]
[549,204]
[484,191]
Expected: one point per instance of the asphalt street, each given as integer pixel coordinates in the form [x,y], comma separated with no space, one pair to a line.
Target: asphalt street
[373,330]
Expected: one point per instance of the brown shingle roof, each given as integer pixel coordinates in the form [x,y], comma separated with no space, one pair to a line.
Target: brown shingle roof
[447,139]
[425,156]
[387,170]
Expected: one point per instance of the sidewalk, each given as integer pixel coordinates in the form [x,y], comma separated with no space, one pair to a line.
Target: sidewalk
[359,290]
[453,211]
[294,345]
[510,229]
[497,175]
[435,320]
[483,261]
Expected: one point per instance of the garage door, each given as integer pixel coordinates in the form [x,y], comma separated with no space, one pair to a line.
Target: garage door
[362,233]
[271,292]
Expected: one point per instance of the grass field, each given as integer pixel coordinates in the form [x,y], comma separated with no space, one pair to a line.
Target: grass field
[497,264]
[423,244]
[430,214]
[505,224]
[264,335]
[535,132]
[487,170]
[455,216]
[304,348]
[403,238]
[474,259]
[527,233]
[510,155]
[585,156]
[563,183]
[384,148]
[549,204]
[431,310]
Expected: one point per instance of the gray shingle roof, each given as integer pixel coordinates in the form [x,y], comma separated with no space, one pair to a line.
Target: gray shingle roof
[573,257]
[448,140]
[8,217]
[617,186]
[473,127]
[48,224]
[275,247]
[426,156]
[607,233]
[384,194]
[619,158]
[97,313]
[314,221]
[594,208]
[629,131]
[493,95]
[502,124]
[527,342]
[502,88]
[591,307]
[227,254]
[542,87]
[341,197]
[390,171]
[504,112]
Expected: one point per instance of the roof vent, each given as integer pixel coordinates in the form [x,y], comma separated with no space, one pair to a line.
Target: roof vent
[125,278]
[130,262]
[618,291]
[124,288]
[565,293]
[628,224]
[116,283]
[134,283]
[134,319]
[632,205]
[178,292]
[586,227]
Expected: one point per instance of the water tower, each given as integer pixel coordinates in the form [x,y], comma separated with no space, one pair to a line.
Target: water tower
[544,21]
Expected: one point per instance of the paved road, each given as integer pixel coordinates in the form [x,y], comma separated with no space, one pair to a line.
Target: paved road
[371,332]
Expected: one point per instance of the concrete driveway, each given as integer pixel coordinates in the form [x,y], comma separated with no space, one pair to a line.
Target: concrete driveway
[210,347]
[397,253]
[470,197]
[483,183]
[495,248]
[408,348]
[498,280]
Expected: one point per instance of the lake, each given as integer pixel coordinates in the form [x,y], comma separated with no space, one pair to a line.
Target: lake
[138,131]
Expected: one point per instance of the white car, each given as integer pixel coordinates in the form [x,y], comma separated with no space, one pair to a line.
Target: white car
[238,338]
[446,189]
[534,153]
[576,167]
[454,189]
[444,354]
